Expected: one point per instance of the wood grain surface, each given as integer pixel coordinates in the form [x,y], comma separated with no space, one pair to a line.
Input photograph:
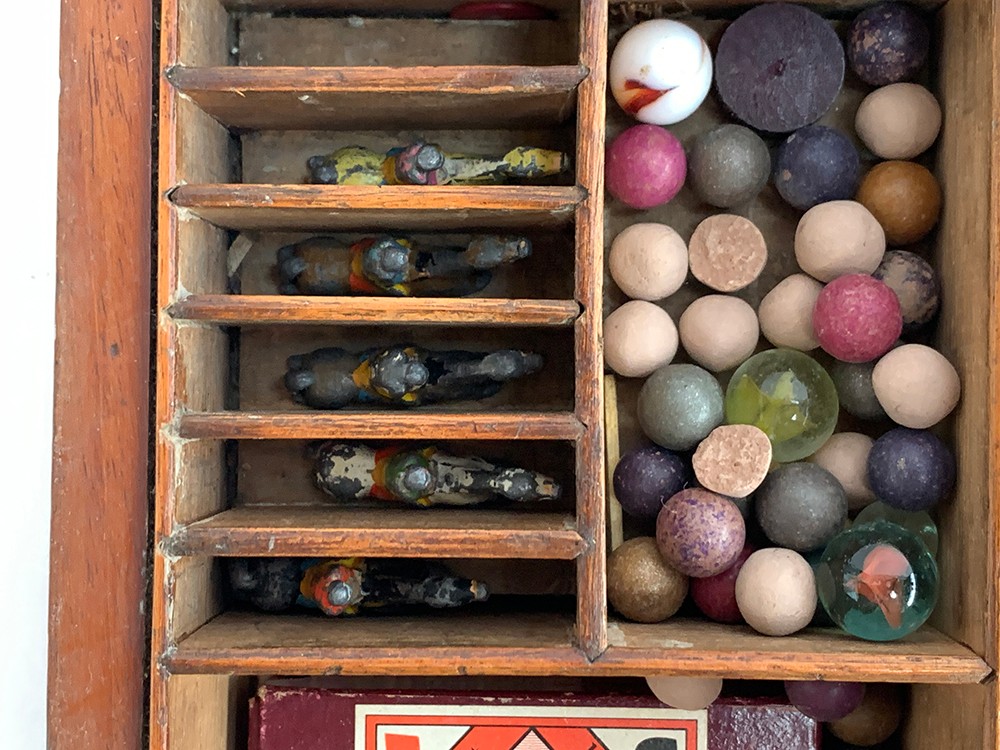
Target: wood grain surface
[470,643]
[98,611]
[332,207]
[365,532]
[591,586]
[290,98]
[381,426]
[230,309]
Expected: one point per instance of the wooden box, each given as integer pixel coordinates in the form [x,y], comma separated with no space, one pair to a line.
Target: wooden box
[249,89]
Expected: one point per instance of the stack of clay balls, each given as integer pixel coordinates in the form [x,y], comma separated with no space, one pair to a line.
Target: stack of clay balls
[736,533]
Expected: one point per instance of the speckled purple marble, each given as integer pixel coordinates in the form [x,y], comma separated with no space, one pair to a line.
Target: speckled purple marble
[646,478]
[887,43]
[700,533]
[915,283]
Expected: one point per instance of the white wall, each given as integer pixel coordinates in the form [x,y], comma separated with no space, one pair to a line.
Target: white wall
[29,55]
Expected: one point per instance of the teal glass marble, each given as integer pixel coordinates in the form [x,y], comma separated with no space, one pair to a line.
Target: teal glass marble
[919,522]
[789,396]
[877,581]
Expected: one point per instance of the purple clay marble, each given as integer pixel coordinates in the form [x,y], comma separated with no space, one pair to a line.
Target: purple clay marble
[910,470]
[825,701]
[779,67]
[814,165]
[700,533]
[887,43]
[646,478]
[915,283]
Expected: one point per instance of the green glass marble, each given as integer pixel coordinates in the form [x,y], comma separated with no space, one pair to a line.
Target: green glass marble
[877,581]
[789,396]
[919,522]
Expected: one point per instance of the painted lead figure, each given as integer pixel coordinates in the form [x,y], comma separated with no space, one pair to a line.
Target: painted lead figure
[423,476]
[349,586]
[394,266]
[333,378]
[427,164]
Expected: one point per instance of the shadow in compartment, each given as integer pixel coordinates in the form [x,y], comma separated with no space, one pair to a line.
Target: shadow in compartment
[410,33]
[283,473]
[545,272]
[525,370]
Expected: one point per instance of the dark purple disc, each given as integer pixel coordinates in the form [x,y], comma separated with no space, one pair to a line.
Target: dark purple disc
[779,67]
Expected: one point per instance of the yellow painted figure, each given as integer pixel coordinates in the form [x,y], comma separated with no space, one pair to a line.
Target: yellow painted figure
[427,164]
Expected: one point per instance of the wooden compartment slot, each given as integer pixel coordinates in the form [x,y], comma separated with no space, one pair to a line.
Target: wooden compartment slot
[274,508]
[263,351]
[362,41]
[288,98]
[230,277]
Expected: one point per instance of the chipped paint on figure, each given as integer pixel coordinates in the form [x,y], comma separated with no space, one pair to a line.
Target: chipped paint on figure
[393,266]
[424,476]
[333,378]
[348,586]
[427,164]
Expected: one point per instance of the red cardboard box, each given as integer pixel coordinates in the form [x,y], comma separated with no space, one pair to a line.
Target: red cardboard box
[297,718]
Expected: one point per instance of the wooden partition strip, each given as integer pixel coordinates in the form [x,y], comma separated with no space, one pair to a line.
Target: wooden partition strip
[332,207]
[483,312]
[97,626]
[445,643]
[700,648]
[591,588]
[365,532]
[414,425]
[287,98]
[371,7]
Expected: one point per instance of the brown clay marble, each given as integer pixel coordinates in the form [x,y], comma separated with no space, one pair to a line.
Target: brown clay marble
[727,252]
[733,460]
[899,121]
[786,313]
[838,238]
[875,720]
[648,261]
[641,585]
[639,337]
[719,332]
[905,198]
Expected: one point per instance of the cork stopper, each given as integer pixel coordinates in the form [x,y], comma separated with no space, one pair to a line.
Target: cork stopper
[733,460]
[727,252]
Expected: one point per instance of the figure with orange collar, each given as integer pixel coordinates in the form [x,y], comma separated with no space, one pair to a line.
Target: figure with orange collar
[394,266]
[402,376]
[349,586]
[424,476]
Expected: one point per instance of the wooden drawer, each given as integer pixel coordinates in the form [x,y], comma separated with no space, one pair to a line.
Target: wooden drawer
[250,89]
